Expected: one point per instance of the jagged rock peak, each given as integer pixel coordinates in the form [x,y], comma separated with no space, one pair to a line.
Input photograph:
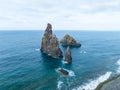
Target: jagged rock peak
[68,40]
[50,43]
[68,57]
[49,28]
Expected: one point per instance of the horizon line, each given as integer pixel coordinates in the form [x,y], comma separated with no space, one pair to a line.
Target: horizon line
[53,30]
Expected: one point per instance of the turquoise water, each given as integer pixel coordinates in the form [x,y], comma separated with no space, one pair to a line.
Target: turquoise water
[24,67]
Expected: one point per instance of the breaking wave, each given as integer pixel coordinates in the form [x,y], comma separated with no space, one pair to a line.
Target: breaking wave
[94,83]
[37,49]
[64,62]
[118,63]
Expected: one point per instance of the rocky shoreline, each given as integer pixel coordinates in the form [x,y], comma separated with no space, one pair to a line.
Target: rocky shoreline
[110,84]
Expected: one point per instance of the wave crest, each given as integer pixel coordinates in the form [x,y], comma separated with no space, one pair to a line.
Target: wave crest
[94,83]
[118,63]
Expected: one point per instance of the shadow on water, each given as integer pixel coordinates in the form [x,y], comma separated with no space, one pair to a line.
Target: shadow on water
[54,63]
[51,63]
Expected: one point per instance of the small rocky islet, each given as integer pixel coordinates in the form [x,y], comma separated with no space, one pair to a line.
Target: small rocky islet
[50,43]
[50,46]
[68,40]
[63,71]
[68,57]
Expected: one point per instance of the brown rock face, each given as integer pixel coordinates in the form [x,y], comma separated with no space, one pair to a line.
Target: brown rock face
[50,43]
[69,41]
[63,71]
[68,57]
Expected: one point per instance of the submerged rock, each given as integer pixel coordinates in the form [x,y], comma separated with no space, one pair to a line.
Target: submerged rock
[50,43]
[68,57]
[63,71]
[69,41]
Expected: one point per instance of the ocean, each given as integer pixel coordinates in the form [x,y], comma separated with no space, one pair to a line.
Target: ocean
[24,67]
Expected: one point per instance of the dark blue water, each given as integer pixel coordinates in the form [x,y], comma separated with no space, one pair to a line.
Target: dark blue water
[24,67]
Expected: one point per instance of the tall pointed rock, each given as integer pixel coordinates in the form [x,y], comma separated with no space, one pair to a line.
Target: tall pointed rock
[50,43]
[68,57]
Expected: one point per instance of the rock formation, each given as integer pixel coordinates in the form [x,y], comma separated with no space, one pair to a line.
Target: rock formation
[69,41]
[63,71]
[50,43]
[68,57]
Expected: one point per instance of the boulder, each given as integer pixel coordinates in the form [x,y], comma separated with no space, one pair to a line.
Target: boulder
[68,57]
[50,43]
[68,40]
[63,71]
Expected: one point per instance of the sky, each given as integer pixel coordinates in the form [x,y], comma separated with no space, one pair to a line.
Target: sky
[62,14]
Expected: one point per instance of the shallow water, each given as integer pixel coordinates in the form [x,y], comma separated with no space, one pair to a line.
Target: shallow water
[24,67]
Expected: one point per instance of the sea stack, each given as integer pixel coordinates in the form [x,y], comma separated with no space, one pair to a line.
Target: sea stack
[68,57]
[68,40]
[50,43]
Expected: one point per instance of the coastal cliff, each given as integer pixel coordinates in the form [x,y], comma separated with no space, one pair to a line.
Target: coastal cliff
[50,43]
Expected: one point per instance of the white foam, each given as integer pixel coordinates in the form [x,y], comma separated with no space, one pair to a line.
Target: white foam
[71,73]
[37,49]
[94,83]
[64,62]
[59,85]
[118,63]
[83,52]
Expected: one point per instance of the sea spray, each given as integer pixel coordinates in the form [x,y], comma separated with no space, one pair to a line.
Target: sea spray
[118,63]
[71,73]
[64,62]
[59,85]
